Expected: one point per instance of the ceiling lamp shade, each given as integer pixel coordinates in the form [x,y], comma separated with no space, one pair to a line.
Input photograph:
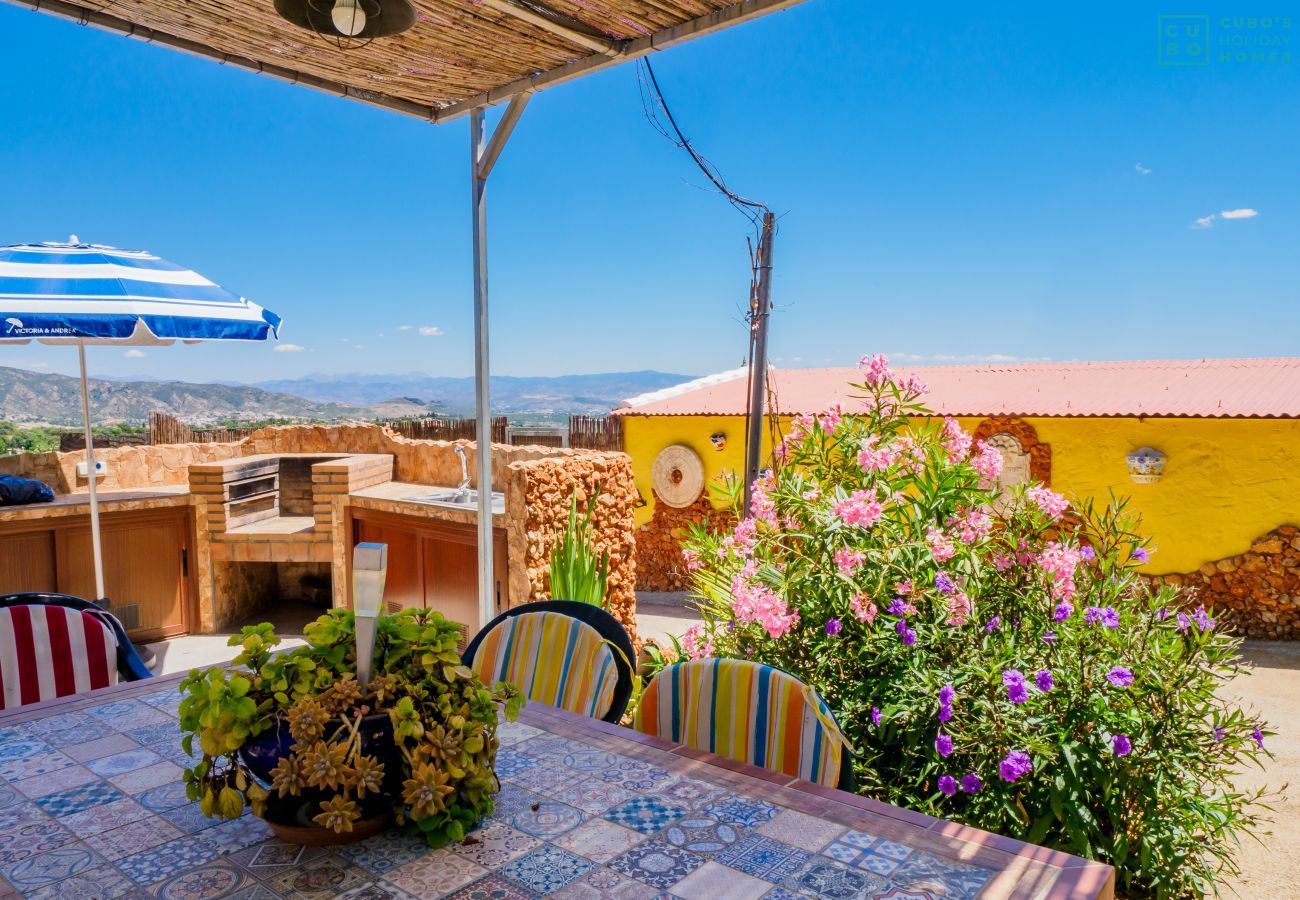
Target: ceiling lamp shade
[348,24]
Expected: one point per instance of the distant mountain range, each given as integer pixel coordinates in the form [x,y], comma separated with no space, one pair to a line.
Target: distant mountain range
[42,398]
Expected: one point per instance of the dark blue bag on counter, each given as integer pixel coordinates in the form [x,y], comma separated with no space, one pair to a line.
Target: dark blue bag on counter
[15,491]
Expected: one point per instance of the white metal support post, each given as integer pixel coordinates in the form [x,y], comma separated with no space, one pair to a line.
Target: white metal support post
[92,477]
[483,156]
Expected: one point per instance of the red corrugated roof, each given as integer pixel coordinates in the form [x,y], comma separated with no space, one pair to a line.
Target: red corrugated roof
[1203,388]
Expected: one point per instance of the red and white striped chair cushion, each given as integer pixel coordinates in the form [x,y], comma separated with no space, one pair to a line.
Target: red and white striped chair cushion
[52,651]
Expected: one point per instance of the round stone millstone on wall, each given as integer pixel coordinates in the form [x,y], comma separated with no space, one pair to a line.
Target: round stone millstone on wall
[677,476]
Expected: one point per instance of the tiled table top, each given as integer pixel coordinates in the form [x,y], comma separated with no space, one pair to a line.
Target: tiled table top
[91,806]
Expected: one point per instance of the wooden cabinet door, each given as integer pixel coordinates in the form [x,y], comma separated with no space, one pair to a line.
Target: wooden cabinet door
[404,584]
[27,563]
[144,568]
[451,579]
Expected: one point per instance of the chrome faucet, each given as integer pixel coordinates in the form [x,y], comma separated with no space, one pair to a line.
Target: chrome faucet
[463,487]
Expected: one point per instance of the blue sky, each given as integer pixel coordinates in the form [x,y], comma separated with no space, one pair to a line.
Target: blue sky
[957,181]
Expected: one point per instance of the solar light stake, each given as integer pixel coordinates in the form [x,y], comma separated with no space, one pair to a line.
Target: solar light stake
[369,567]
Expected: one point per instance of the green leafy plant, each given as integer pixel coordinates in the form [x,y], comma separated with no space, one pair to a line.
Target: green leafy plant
[578,572]
[994,659]
[443,719]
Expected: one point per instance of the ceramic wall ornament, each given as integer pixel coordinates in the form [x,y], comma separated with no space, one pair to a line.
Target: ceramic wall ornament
[1146,465]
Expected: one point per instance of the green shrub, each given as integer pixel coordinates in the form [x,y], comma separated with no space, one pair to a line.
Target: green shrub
[578,572]
[993,660]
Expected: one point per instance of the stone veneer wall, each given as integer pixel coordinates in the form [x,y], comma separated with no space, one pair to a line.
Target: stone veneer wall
[659,543]
[539,496]
[1261,586]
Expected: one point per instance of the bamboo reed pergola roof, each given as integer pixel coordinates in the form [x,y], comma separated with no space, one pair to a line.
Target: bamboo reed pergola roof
[461,55]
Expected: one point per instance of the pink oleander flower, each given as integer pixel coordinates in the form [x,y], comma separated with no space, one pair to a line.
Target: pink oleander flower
[875,370]
[761,504]
[1058,561]
[940,544]
[973,525]
[1047,500]
[873,458]
[759,604]
[695,644]
[746,532]
[861,509]
[813,494]
[692,559]
[847,561]
[903,588]
[959,608]
[956,440]
[863,609]
[913,385]
[987,461]
[832,418]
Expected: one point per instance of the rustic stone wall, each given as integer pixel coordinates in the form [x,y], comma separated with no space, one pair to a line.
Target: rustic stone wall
[545,486]
[1261,586]
[239,590]
[659,543]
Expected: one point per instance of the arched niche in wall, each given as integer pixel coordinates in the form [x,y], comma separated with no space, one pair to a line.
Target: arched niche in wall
[1024,456]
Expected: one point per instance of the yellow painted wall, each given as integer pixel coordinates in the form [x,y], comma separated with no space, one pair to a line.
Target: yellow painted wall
[1227,481]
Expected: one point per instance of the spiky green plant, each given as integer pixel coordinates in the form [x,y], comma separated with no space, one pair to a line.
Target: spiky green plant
[578,572]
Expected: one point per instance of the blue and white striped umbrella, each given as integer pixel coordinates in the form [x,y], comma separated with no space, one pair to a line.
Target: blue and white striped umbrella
[87,293]
[81,294]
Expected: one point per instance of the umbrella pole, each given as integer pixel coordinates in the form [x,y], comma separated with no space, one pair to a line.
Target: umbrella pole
[92,477]
[482,400]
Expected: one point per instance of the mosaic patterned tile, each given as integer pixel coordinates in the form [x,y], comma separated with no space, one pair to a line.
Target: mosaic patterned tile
[436,873]
[374,890]
[99,747]
[688,793]
[127,715]
[203,883]
[606,884]
[74,799]
[262,892]
[18,815]
[636,775]
[599,840]
[167,701]
[511,733]
[78,734]
[495,845]
[150,776]
[102,882]
[56,781]
[323,877]
[645,814]
[546,869]
[822,877]
[188,818]
[901,893]
[49,867]
[385,851]
[860,850]
[545,745]
[163,860]
[492,888]
[21,748]
[800,830]
[43,760]
[235,834]
[511,762]
[593,797]
[272,857]
[47,725]
[104,817]
[741,810]
[164,797]
[713,881]
[547,820]
[546,779]
[121,763]
[657,864]
[511,799]
[131,839]
[33,839]
[944,878]
[702,834]
[590,760]
[763,857]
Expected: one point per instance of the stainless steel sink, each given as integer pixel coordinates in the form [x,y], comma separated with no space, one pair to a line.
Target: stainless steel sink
[459,499]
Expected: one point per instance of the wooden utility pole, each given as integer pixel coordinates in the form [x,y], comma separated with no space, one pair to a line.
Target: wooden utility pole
[760,308]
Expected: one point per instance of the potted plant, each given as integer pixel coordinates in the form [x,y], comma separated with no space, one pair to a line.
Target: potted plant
[324,759]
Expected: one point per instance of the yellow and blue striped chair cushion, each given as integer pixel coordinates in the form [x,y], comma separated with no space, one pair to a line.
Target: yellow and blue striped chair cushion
[745,711]
[553,659]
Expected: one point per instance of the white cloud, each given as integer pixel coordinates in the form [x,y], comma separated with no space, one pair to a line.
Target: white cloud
[430,330]
[1245,213]
[289,348]
[405,327]
[359,347]
[1141,169]
[1205,221]
[134,354]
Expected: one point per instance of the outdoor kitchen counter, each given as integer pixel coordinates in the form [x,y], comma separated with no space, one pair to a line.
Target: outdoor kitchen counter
[395,497]
[78,504]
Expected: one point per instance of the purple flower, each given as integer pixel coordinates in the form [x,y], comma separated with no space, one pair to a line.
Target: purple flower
[946,694]
[947,785]
[896,607]
[909,638]
[1219,734]
[971,783]
[943,744]
[1063,611]
[1087,553]
[1109,617]
[900,626]
[1016,764]
[1091,615]
[875,716]
[1162,613]
[833,627]
[1183,622]
[1203,620]
[1121,745]
[1259,737]
[1120,676]
[1049,637]
[943,582]
[994,624]
[1014,681]
[1044,680]
[1141,555]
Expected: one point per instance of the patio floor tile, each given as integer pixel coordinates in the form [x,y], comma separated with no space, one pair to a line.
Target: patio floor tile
[74,799]
[48,867]
[132,838]
[102,882]
[33,839]
[104,817]
[99,747]
[799,830]
[436,873]
[599,840]
[163,860]
[121,763]
[713,881]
